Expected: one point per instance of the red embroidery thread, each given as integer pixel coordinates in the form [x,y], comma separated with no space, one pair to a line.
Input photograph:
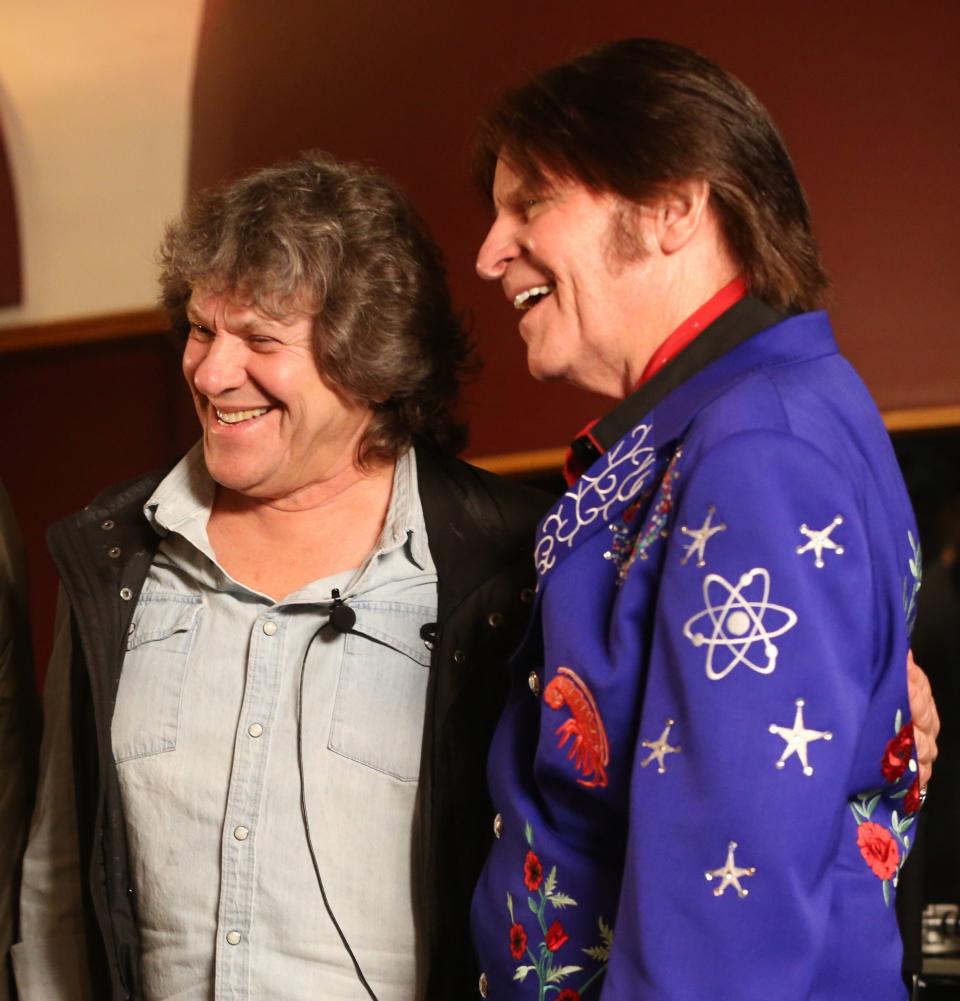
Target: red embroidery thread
[589,750]
[878,849]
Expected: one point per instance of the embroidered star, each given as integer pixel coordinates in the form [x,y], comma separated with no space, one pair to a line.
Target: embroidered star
[797,738]
[730,874]
[659,749]
[820,540]
[700,538]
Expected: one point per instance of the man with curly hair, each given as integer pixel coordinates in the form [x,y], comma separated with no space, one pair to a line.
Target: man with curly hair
[278,665]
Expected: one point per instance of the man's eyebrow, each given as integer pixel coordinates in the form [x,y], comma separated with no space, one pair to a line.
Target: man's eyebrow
[513,196]
[524,189]
[195,316]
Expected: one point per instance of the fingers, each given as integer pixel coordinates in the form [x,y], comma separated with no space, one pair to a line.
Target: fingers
[923,708]
[926,752]
[926,719]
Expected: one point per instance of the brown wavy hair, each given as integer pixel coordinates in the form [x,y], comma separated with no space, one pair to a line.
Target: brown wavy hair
[629,117]
[339,241]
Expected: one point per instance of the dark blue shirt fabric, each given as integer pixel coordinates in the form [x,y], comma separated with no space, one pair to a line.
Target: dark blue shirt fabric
[705,773]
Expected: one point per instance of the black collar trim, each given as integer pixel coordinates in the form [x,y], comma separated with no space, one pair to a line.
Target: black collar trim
[741,321]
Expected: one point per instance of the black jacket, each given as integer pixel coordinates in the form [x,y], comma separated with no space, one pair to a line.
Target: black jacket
[480,531]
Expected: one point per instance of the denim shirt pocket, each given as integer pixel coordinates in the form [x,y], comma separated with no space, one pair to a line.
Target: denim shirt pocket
[146,719]
[381,693]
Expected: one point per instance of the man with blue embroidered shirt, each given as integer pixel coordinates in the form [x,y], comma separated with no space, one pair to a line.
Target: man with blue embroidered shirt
[278,666]
[705,776]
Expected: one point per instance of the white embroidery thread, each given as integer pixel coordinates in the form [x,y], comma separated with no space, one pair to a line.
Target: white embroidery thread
[701,536]
[628,466]
[730,874]
[819,540]
[797,737]
[738,623]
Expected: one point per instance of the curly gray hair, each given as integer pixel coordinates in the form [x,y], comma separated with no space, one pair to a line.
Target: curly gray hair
[339,241]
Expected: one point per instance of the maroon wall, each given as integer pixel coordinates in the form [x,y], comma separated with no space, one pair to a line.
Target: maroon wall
[868,103]
[867,96]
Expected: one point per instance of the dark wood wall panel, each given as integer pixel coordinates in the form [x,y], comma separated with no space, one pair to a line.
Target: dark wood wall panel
[76,419]
[10,269]
[867,96]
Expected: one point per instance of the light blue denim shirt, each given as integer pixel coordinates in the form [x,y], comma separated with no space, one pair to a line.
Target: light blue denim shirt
[204,735]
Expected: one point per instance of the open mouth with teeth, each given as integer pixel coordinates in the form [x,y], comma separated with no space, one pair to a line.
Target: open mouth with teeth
[239,416]
[532,296]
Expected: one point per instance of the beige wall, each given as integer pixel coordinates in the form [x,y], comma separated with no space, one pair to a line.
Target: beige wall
[95,102]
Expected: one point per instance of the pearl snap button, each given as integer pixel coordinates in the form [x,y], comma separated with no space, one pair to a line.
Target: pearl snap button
[241,833]
[255,729]
[233,937]
[269,627]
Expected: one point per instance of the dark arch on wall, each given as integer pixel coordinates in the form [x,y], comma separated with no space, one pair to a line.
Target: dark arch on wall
[11,289]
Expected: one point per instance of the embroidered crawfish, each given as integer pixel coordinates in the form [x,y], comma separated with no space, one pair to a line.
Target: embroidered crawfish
[590,750]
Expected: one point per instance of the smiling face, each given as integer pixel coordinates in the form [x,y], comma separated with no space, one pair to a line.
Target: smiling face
[272,426]
[593,313]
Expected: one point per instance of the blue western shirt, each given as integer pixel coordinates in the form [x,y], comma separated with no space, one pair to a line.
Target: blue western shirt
[704,775]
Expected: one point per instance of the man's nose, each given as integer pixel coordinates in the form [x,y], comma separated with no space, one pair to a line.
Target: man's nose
[220,367]
[498,249]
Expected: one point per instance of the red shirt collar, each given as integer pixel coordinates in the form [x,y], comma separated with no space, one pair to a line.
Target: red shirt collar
[693,325]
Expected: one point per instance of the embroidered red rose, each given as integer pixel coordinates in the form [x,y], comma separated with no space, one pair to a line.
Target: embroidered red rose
[532,872]
[911,802]
[878,849]
[556,936]
[518,941]
[568,994]
[897,755]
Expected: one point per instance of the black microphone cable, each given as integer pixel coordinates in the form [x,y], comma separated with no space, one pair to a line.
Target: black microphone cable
[347,620]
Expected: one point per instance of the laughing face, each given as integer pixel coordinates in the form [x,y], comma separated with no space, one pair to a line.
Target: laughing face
[591,313]
[272,426]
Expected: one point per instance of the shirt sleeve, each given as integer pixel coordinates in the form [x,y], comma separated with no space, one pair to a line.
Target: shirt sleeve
[768,637]
[50,961]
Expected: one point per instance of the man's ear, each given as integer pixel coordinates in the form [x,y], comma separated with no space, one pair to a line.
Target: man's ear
[680,213]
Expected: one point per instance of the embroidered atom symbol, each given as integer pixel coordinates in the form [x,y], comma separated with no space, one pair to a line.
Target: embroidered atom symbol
[739,622]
